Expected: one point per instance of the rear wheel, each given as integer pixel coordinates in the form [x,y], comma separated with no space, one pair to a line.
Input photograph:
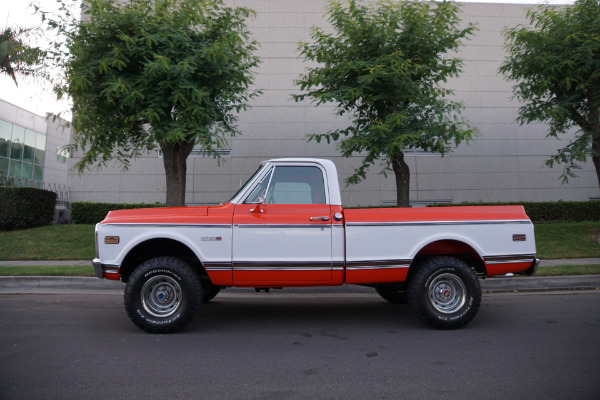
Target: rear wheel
[162,295]
[444,292]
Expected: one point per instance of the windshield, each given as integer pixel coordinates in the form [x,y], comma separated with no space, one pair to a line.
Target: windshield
[245,183]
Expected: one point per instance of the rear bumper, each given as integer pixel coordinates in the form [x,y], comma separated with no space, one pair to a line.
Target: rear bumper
[532,268]
[103,271]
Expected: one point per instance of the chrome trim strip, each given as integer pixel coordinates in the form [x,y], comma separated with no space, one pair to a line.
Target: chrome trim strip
[509,256]
[371,267]
[527,260]
[366,263]
[217,266]
[282,266]
[170,225]
[509,259]
[377,264]
[273,268]
[421,223]
[282,226]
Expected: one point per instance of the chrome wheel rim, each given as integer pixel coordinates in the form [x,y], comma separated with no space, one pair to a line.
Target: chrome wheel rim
[161,296]
[447,293]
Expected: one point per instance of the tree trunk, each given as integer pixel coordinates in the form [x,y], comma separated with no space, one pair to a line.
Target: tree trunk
[596,154]
[402,173]
[174,159]
[595,125]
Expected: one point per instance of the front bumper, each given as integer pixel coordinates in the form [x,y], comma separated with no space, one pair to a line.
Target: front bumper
[103,271]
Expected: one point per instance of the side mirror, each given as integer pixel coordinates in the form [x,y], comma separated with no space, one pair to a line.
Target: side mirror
[258,208]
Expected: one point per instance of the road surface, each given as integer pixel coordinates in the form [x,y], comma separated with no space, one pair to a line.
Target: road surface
[301,346]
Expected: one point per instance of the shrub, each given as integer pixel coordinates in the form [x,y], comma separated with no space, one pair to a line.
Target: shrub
[566,211]
[25,207]
[92,213]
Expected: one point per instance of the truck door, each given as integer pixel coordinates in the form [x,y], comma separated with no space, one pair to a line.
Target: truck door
[282,230]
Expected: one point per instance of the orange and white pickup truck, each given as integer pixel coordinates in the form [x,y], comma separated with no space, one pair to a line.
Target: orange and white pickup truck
[286,228]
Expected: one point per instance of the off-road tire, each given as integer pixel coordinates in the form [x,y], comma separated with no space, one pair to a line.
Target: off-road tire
[444,292]
[162,295]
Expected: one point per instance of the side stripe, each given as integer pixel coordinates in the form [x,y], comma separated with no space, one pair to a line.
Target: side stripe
[423,223]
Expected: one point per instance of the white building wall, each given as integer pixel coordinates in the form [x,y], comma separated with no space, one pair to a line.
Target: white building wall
[504,163]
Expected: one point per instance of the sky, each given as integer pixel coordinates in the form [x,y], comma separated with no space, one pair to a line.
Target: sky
[36,96]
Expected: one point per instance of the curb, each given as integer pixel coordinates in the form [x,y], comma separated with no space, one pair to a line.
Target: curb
[51,284]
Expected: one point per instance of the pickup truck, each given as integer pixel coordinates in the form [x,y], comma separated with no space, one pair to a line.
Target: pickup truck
[286,228]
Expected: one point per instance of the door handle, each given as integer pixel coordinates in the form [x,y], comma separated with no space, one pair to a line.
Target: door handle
[319,218]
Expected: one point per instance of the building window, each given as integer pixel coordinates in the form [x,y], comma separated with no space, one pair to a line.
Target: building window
[22,152]
[63,154]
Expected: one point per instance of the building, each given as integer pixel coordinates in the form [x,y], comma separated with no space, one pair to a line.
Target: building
[31,148]
[505,163]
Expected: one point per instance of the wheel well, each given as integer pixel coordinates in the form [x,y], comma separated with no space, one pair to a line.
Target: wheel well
[452,248]
[156,248]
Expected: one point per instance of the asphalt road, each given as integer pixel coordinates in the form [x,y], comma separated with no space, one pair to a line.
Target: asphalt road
[301,346]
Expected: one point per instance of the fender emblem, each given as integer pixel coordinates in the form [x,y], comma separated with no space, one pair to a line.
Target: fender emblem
[211,238]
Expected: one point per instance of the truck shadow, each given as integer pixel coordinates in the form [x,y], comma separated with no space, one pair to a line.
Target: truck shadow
[281,313]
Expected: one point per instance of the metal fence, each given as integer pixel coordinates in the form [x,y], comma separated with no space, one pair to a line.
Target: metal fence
[62,191]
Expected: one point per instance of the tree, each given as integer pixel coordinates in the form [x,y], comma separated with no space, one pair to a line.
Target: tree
[17,57]
[148,73]
[556,63]
[384,65]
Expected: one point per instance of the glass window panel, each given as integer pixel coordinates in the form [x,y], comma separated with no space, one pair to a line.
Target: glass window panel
[16,147]
[4,166]
[38,173]
[14,168]
[296,185]
[62,155]
[40,142]
[40,149]
[5,137]
[258,193]
[27,171]
[29,147]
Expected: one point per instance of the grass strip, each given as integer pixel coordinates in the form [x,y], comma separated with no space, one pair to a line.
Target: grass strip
[47,270]
[567,240]
[564,270]
[53,242]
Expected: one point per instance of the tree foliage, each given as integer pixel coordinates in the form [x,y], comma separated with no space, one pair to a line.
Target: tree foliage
[556,63]
[384,64]
[17,56]
[148,73]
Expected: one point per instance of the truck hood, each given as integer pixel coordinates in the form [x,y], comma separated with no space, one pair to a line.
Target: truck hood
[169,215]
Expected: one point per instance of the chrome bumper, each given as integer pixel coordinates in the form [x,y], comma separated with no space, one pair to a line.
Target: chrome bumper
[101,270]
[533,267]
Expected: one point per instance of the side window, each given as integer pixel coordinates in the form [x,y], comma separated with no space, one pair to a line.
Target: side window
[296,185]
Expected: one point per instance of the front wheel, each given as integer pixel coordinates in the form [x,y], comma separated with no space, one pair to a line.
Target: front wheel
[162,295]
[444,292]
